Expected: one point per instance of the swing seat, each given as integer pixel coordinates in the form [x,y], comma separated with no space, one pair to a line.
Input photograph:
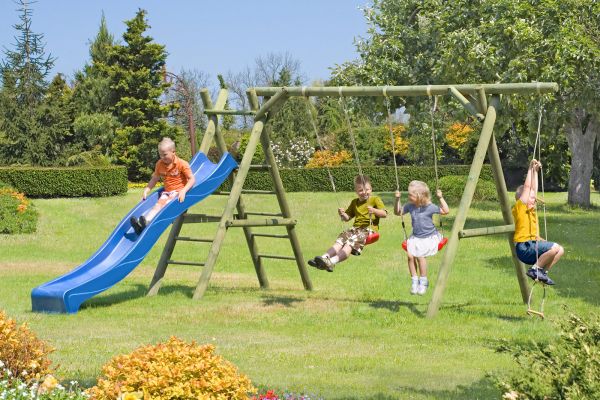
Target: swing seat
[372,238]
[441,244]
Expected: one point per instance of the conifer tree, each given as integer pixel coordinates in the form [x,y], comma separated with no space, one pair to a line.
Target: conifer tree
[136,79]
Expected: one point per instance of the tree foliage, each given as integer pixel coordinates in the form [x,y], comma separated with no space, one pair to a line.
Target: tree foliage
[433,41]
[136,80]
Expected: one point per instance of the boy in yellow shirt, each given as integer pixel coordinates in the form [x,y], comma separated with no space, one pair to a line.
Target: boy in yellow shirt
[530,247]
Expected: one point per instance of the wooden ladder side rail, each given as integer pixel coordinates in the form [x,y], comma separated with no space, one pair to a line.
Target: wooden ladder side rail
[465,203]
[209,134]
[269,108]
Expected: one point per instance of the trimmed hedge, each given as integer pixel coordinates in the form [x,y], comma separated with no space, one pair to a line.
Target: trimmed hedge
[453,185]
[66,182]
[382,178]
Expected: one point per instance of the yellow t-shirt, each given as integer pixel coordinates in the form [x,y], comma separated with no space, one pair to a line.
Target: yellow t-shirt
[358,210]
[526,223]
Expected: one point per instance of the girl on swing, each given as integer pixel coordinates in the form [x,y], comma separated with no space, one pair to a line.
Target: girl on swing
[366,210]
[425,238]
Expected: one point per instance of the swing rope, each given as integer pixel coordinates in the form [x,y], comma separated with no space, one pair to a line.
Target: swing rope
[434,102]
[537,147]
[393,141]
[320,143]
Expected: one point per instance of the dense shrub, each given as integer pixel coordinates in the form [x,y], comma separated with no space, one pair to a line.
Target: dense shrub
[21,352]
[328,158]
[17,214]
[382,178]
[453,186]
[172,370]
[66,182]
[566,369]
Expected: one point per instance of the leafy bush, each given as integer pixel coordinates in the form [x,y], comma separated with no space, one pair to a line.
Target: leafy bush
[294,153]
[17,214]
[66,182]
[453,185]
[259,155]
[22,354]
[172,370]
[566,369]
[328,158]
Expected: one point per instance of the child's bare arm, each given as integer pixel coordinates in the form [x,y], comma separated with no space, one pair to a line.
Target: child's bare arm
[397,208]
[191,181]
[150,185]
[530,186]
[444,209]
[377,212]
[345,217]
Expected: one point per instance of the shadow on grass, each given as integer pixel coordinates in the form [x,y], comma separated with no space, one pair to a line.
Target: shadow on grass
[287,301]
[106,300]
[482,389]
[395,306]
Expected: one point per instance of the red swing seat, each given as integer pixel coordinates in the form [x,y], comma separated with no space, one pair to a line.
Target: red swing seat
[372,238]
[441,244]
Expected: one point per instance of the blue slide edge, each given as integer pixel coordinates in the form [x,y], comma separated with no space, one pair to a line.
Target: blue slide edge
[124,250]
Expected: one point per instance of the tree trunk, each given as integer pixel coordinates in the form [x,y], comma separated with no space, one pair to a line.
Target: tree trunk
[581,132]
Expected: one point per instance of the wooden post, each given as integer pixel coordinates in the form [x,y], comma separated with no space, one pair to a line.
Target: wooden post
[461,214]
[285,209]
[505,206]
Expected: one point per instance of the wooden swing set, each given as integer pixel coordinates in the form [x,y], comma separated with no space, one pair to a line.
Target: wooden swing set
[480,100]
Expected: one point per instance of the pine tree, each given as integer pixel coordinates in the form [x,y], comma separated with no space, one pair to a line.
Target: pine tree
[23,76]
[135,71]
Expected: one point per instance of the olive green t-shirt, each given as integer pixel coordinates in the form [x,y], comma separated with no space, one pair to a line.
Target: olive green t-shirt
[358,210]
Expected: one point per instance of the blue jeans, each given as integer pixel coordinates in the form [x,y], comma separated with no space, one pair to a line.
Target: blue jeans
[527,252]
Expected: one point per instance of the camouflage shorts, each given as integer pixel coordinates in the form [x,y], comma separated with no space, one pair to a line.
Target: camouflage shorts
[355,238]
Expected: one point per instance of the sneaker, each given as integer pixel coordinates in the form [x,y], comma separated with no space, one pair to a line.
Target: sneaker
[414,288]
[136,225]
[422,288]
[143,222]
[313,263]
[324,263]
[536,274]
[546,279]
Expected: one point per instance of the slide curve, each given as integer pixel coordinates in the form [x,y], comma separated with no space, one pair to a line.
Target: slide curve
[124,250]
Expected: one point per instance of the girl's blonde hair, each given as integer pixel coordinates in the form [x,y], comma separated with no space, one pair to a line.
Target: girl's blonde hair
[421,191]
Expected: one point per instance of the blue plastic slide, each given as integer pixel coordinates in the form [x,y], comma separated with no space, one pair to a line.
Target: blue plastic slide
[124,250]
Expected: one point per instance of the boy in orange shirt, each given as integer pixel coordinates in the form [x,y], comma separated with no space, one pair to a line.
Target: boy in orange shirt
[530,247]
[177,177]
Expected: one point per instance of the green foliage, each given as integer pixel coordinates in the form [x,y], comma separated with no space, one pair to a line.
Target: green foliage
[453,186]
[17,214]
[567,368]
[136,79]
[23,86]
[66,182]
[172,370]
[259,155]
[382,178]
[95,131]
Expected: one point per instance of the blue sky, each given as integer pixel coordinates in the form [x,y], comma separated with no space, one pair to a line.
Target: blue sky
[211,36]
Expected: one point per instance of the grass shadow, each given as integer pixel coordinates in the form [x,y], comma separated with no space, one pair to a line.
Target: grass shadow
[106,300]
[395,306]
[287,301]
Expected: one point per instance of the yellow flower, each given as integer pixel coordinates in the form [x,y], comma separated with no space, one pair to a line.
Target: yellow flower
[131,396]
[48,385]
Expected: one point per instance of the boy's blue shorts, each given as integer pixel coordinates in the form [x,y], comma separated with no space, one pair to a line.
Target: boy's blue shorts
[527,252]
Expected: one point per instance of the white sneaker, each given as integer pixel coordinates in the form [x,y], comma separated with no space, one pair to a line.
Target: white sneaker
[414,288]
[422,287]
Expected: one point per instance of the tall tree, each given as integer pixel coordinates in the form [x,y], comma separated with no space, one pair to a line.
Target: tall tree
[136,78]
[23,74]
[432,41]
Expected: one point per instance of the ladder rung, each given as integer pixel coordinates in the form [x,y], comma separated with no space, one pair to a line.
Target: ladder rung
[269,235]
[247,191]
[229,112]
[261,222]
[198,218]
[265,214]
[276,257]
[189,239]
[195,264]
[261,167]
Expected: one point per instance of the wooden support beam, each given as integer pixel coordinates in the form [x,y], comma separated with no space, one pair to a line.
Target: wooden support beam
[278,98]
[422,90]
[490,230]
[240,223]
[461,214]
[466,103]
[228,112]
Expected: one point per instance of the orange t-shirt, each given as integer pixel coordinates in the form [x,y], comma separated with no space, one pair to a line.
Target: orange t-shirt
[175,175]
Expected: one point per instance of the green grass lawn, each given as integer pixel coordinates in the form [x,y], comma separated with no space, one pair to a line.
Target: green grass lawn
[358,335]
